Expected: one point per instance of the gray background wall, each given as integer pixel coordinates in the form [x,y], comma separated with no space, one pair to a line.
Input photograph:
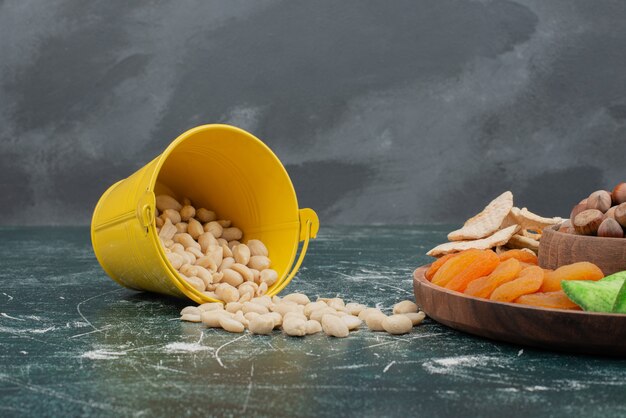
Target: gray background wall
[383,111]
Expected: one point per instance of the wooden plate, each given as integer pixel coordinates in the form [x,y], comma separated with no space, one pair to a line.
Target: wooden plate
[553,329]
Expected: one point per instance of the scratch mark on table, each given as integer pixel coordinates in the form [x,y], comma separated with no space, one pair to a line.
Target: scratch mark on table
[11,317]
[87,300]
[388,366]
[63,396]
[104,328]
[217,352]
[245,404]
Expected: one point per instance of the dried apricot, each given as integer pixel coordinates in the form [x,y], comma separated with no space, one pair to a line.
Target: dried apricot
[454,266]
[529,281]
[553,300]
[483,265]
[505,272]
[435,266]
[578,271]
[520,255]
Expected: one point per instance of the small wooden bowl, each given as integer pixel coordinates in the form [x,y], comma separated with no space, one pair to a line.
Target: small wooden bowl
[553,329]
[558,248]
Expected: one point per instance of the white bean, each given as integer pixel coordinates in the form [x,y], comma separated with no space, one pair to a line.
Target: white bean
[259,262]
[284,307]
[336,303]
[415,317]
[175,259]
[278,319]
[232,277]
[239,316]
[206,262]
[263,300]
[334,326]
[190,318]
[187,212]
[172,215]
[211,306]
[226,249]
[375,320]
[232,234]
[257,247]
[251,315]
[212,318]
[253,307]
[214,228]
[299,298]
[194,310]
[268,276]
[196,283]
[294,327]
[313,327]
[233,306]
[164,202]
[194,228]
[226,292]
[231,325]
[262,324]
[244,271]
[186,240]
[365,313]
[406,306]
[182,227]
[205,215]
[351,321]
[355,308]
[317,314]
[313,306]
[397,324]
[168,230]
[241,253]
[293,314]
[262,289]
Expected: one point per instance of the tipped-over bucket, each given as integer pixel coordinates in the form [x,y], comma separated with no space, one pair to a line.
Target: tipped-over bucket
[221,168]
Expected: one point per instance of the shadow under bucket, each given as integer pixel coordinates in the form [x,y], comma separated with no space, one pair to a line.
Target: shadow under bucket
[221,168]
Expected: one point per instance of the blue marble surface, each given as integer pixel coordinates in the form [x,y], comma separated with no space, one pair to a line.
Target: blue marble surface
[74,343]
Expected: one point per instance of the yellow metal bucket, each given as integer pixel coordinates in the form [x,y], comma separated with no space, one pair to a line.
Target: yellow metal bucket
[221,168]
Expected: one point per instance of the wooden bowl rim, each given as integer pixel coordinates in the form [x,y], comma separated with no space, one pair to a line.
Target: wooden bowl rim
[420,276]
[590,238]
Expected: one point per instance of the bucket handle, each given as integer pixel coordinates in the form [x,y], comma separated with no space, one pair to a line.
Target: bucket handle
[309,226]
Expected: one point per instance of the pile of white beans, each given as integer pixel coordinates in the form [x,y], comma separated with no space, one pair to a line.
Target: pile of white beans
[208,254]
[297,316]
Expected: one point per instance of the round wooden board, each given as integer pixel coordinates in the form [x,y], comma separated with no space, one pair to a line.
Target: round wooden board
[553,329]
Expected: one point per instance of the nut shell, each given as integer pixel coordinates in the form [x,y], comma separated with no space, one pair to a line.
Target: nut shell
[620,214]
[576,210]
[619,194]
[609,228]
[588,221]
[600,200]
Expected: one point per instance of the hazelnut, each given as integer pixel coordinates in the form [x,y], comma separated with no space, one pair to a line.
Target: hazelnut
[620,214]
[577,209]
[609,228]
[619,194]
[600,200]
[565,226]
[588,221]
[610,213]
